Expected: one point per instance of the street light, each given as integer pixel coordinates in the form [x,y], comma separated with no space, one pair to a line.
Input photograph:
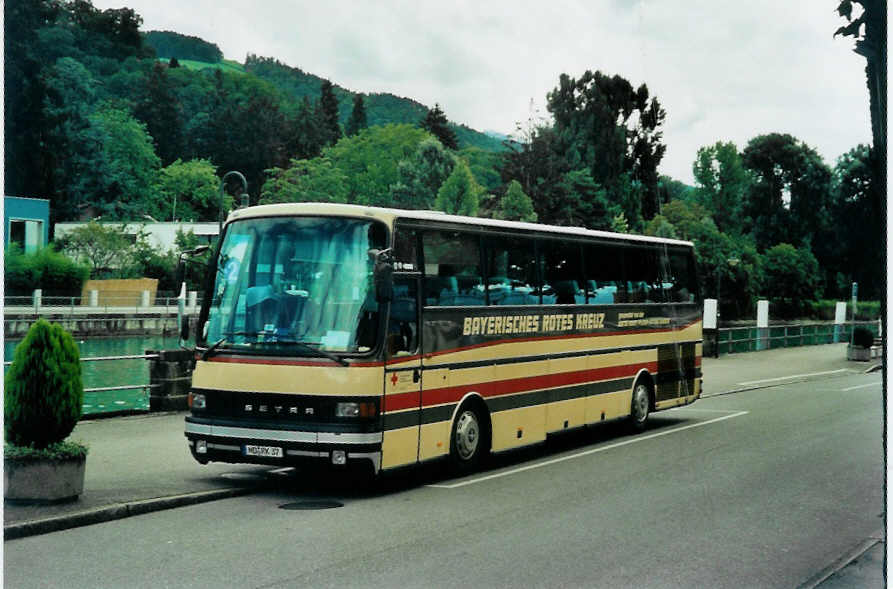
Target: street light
[244,195]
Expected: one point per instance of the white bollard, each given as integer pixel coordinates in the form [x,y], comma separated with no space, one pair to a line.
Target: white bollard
[145,298]
[94,298]
[36,298]
[193,299]
[839,320]
[762,325]
[710,325]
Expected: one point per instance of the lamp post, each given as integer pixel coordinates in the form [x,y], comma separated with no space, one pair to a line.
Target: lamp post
[244,196]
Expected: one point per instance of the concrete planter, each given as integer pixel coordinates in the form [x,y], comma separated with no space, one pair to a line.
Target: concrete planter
[858,353]
[43,480]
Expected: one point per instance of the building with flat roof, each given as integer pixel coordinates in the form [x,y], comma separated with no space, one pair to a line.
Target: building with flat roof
[161,236]
[26,222]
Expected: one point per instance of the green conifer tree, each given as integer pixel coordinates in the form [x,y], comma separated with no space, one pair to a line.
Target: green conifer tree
[357,121]
[460,194]
[328,107]
[436,123]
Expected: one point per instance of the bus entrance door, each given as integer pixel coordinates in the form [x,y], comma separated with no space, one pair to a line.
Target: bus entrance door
[401,418]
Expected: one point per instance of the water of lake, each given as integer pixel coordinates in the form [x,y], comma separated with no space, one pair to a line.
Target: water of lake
[114,372]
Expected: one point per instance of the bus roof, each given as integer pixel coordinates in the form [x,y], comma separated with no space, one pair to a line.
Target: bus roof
[388,216]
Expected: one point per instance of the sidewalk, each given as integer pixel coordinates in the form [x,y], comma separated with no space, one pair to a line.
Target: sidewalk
[140,464]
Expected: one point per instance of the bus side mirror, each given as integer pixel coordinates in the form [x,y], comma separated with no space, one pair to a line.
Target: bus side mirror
[382,274]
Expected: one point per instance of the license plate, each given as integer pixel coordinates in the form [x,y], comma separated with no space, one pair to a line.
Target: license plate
[262,451]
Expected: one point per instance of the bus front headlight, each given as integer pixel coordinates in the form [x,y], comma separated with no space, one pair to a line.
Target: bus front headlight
[196,401]
[355,409]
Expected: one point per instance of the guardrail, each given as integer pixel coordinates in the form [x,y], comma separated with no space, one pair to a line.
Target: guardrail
[114,402]
[734,340]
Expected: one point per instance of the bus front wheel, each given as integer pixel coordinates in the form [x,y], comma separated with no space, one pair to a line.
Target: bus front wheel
[469,439]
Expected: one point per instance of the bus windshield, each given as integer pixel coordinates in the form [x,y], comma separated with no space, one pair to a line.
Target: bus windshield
[292,285]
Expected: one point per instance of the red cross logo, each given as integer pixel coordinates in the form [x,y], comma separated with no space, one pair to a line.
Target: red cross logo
[394,379]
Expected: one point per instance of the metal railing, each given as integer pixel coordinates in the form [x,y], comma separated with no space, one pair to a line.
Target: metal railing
[144,387]
[734,340]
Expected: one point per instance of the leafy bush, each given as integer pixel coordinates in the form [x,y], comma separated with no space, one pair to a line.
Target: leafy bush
[58,451]
[44,392]
[826,308]
[863,337]
[47,269]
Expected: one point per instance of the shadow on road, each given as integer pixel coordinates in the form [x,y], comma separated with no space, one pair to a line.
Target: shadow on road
[326,487]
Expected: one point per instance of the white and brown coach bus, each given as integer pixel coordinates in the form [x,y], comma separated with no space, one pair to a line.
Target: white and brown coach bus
[352,334]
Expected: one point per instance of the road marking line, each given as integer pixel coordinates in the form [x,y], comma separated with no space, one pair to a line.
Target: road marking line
[701,410]
[587,452]
[861,386]
[792,376]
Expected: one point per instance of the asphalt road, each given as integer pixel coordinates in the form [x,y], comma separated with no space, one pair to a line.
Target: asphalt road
[762,488]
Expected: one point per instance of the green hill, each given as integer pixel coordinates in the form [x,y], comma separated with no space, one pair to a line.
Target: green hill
[381,108]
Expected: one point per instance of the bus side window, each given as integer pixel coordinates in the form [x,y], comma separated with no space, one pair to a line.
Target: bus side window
[643,275]
[511,271]
[605,284]
[563,277]
[453,274]
[681,283]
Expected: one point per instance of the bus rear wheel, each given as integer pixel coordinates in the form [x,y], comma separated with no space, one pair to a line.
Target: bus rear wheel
[468,440]
[641,405]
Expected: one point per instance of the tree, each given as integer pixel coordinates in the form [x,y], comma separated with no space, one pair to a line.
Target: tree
[791,277]
[160,110]
[328,113]
[436,123]
[316,180]
[723,184]
[369,160]
[857,229]
[124,173]
[789,199]
[307,135]
[103,247]
[870,31]
[612,129]
[460,194]
[357,120]
[188,190]
[421,176]
[515,205]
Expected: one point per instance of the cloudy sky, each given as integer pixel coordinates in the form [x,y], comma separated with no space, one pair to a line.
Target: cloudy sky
[723,69]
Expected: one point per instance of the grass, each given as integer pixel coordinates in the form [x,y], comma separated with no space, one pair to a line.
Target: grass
[226,65]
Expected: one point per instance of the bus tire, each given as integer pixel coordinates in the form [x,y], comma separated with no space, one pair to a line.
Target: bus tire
[640,407]
[469,437]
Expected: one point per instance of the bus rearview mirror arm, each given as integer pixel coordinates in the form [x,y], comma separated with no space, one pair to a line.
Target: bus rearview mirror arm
[382,274]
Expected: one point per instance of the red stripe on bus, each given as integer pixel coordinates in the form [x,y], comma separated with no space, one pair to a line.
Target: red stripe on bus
[511,386]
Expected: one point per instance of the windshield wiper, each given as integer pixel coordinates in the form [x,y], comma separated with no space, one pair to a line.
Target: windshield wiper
[310,348]
[291,342]
[222,340]
[212,347]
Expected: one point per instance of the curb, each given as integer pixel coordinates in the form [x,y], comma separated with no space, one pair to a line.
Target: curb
[775,384]
[118,511]
[844,561]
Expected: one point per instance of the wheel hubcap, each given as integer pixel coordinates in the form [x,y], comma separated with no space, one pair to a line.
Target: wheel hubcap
[640,403]
[467,435]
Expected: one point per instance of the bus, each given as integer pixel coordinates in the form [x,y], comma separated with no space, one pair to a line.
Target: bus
[355,335]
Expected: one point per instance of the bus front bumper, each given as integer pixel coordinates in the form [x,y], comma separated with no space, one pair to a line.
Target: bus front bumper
[210,442]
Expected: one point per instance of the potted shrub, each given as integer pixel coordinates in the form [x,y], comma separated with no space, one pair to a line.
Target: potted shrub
[43,400]
[860,349]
